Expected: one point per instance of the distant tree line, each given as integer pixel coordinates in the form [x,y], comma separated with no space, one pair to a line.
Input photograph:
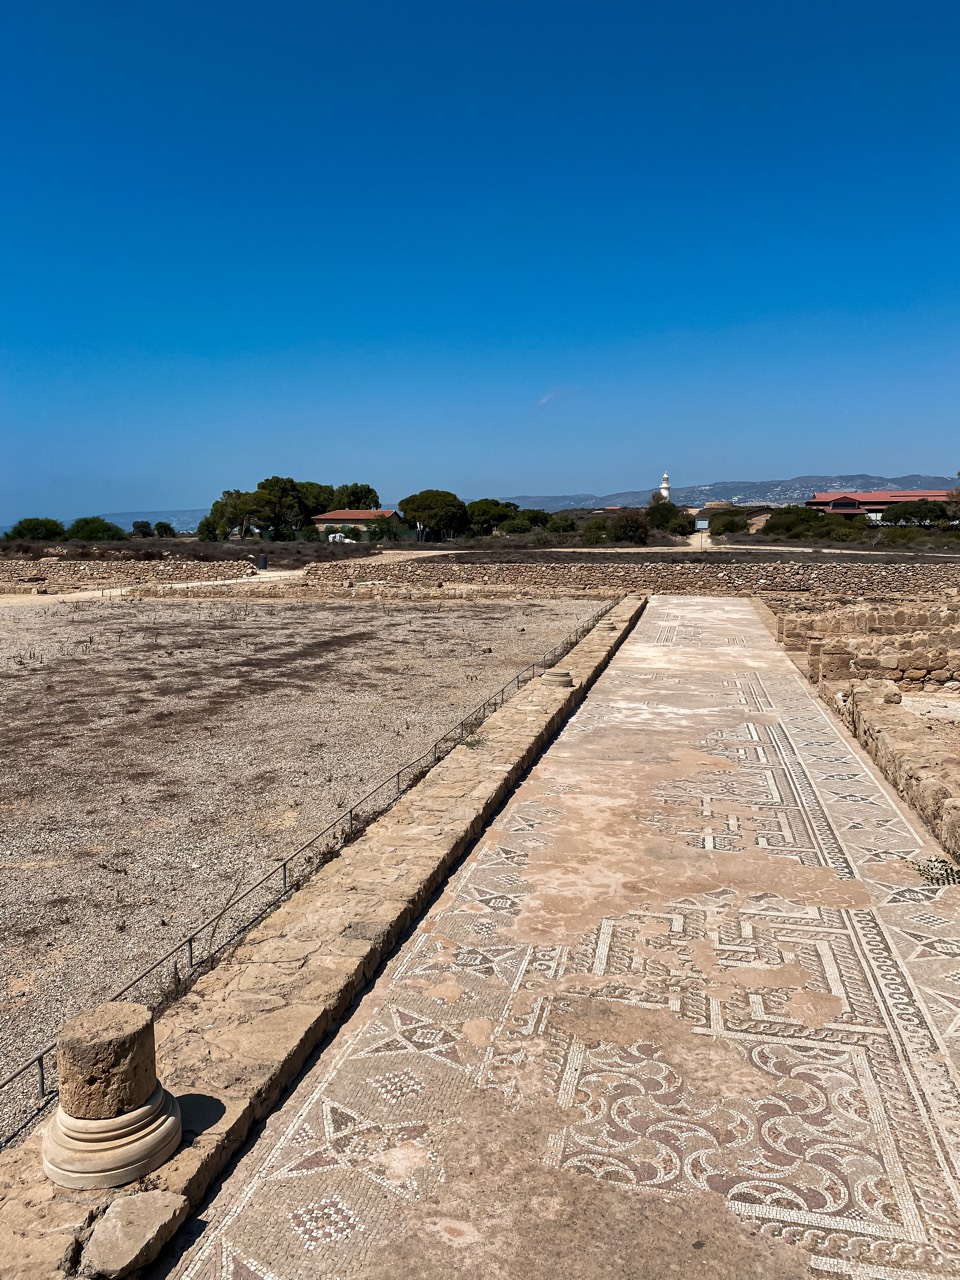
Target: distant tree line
[84,529]
[281,508]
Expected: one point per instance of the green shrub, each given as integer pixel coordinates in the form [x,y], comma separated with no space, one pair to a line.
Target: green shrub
[382,530]
[593,532]
[630,526]
[36,529]
[164,530]
[96,529]
[660,512]
[723,522]
[682,525]
[515,525]
[561,524]
[923,512]
[795,522]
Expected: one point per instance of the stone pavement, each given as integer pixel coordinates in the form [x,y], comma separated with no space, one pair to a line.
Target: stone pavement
[686,1010]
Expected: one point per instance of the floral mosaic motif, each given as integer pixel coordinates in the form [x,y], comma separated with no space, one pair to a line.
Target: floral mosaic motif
[412,1032]
[397,1086]
[811,1145]
[327,1221]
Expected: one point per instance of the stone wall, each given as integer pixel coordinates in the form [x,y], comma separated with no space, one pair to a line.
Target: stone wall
[51,574]
[922,661]
[863,659]
[710,574]
[800,621]
[925,772]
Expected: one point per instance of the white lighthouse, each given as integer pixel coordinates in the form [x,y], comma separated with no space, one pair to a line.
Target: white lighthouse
[665,487]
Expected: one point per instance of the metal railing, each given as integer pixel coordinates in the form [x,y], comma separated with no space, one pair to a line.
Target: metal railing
[172,974]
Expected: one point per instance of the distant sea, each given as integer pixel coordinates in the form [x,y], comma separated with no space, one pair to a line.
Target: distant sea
[184,521]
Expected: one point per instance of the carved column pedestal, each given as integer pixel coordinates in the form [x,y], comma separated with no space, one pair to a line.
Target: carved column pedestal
[115,1121]
[558,678]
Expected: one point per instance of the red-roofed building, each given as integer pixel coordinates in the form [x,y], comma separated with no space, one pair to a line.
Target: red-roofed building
[356,519]
[874,504]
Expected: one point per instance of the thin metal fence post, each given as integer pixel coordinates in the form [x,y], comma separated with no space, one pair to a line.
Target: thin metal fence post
[41,1077]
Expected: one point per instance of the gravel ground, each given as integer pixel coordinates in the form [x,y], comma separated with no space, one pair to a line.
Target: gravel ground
[157,753]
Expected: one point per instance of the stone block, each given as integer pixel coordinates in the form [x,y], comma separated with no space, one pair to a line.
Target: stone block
[106,1061]
[132,1232]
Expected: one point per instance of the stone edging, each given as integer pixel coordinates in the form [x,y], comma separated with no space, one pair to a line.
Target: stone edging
[925,773]
[231,1047]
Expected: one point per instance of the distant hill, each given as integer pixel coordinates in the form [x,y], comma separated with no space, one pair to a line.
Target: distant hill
[184,521]
[744,492]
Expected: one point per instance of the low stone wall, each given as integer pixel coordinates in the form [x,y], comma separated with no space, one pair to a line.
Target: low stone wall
[799,623]
[52,574]
[863,658]
[230,1048]
[922,662]
[925,773]
[710,574]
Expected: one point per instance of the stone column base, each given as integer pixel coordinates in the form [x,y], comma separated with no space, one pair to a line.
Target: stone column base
[555,676]
[111,1153]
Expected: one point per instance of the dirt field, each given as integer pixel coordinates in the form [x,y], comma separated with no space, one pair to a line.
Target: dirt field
[157,753]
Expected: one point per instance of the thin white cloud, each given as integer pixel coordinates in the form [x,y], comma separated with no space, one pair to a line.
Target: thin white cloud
[553,393]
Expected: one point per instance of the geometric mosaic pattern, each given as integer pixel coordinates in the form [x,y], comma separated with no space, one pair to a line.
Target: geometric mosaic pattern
[695,938]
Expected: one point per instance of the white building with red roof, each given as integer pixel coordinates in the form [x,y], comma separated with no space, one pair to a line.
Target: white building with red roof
[872,504]
[330,520]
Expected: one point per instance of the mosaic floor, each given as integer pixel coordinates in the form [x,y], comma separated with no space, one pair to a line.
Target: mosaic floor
[687,1010]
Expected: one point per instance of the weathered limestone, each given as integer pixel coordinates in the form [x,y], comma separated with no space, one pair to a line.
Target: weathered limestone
[923,769]
[863,658]
[565,573]
[834,662]
[230,1047]
[106,1061]
[558,678]
[131,1231]
[51,574]
[115,1122]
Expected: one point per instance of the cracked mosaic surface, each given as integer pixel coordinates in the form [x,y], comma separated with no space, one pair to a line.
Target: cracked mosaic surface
[691,959]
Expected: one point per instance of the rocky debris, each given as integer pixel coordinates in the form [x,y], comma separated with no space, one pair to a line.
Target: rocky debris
[132,1232]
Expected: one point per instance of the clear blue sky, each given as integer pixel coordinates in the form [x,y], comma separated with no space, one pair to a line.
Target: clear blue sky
[500,248]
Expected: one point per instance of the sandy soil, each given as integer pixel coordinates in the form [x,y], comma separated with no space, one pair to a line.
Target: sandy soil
[158,753]
[940,715]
